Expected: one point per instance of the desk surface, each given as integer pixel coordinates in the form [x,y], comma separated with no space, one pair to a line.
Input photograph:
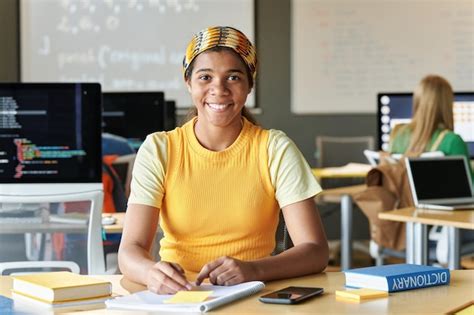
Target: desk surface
[352,170]
[346,190]
[117,227]
[429,300]
[463,219]
[333,195]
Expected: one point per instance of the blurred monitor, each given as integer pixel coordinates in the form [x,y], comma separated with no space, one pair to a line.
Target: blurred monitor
[170,115]
[49,134]
[134,115]
[396,108]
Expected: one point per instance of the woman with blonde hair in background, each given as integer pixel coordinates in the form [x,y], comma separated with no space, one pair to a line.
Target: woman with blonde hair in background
[431,128]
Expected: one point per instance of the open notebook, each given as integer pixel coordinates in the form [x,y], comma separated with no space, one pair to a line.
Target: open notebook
[148,301]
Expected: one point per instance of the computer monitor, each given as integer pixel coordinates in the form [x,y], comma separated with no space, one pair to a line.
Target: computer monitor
[396,108]
[134,115]
[170,115]
[49,134]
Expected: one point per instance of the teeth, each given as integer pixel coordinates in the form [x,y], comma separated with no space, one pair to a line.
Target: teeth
[217,106]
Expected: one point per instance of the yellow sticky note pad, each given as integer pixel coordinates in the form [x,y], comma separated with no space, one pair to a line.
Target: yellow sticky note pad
[188,297]
[466,311]
[360,294]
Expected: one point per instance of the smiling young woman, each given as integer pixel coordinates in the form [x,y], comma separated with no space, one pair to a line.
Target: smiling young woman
[219,86]
[216,185]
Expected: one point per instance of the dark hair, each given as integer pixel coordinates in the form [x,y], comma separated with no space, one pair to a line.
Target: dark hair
[187,75]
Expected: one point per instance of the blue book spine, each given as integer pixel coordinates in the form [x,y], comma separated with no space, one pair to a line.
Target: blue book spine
[418,280]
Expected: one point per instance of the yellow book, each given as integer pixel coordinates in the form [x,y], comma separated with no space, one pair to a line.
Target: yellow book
[81,304]
[60,286]
[361,294]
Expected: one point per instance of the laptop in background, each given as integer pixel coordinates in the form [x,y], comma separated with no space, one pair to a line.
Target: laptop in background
[440,183]
[373,157]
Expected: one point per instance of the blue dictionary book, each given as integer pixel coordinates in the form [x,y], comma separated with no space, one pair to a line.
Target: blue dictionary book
[397,277]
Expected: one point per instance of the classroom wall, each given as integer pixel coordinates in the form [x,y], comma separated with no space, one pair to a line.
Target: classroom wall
[274,92]
[9,53]
[274,88]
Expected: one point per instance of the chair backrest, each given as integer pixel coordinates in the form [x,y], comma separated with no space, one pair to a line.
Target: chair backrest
[282,237]
[124,166]
[94,199]
[41,265]
[338,151]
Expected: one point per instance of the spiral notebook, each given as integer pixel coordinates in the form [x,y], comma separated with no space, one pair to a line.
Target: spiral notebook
[148,301]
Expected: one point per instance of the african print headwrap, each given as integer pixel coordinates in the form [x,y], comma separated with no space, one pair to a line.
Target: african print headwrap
[223,36]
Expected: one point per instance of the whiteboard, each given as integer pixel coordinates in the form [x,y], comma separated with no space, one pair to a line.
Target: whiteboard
[126,45]
[346,51]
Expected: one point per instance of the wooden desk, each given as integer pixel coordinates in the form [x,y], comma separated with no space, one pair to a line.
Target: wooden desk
[343,195]
[417,231]
[117,227]
[348,171]
[437,300]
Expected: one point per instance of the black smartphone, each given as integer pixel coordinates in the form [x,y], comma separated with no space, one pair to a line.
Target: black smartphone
[290,295]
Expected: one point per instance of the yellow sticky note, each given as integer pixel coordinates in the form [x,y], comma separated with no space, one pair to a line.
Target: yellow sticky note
[360,294]
[188,297]
[466,311]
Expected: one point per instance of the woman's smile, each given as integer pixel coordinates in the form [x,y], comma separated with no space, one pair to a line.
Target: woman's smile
[218,107]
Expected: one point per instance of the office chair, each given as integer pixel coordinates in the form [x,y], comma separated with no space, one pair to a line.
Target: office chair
[282,237]
[121,174]
[439,234]
[334,151]
[40,265]
[437,254]
[123,166]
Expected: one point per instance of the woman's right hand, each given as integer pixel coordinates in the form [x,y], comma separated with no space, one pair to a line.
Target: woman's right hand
[167,278]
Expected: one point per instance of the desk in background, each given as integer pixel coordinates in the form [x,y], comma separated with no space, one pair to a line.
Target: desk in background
[417,221]
[351,170]
[343,195]
[117,227]
[437,300]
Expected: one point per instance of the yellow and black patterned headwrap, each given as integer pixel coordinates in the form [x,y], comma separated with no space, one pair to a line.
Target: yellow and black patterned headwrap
[222,36]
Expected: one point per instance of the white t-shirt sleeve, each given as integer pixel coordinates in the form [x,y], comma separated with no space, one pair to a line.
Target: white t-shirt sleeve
[149,171]
[290,174]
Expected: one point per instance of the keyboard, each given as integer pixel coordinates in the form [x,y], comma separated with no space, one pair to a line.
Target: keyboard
[447,207]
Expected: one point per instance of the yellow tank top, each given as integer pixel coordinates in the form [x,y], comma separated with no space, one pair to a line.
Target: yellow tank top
[217,203]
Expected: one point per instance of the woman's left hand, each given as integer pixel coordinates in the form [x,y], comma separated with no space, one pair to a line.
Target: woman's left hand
[227,271]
